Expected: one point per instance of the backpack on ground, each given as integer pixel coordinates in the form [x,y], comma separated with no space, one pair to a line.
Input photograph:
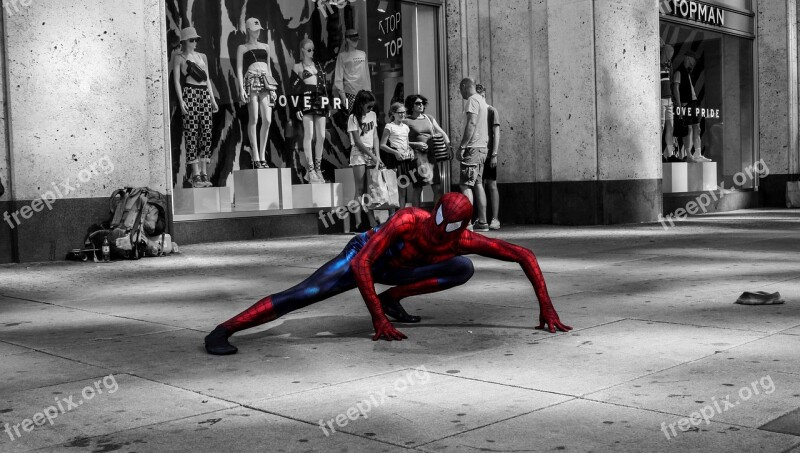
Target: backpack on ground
[137,213]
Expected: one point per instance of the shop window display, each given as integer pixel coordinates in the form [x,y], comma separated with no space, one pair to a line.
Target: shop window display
[284,74]
[708,78]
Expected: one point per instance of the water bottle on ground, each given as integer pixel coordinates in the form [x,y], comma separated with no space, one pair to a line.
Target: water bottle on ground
[106,251]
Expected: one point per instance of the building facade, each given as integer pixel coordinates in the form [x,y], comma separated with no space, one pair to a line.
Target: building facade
[92,108]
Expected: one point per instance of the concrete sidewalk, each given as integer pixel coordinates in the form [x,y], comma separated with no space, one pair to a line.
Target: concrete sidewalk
[657,338]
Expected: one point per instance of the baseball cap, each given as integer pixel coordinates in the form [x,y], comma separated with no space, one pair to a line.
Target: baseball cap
[253,24]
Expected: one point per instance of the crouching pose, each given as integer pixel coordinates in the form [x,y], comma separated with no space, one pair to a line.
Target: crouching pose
[415,251]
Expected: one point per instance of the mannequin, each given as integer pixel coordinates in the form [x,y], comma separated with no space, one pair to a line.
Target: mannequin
[257,89]
[352,71]
[667,107]
[685,96]
[313,106]
[197,103]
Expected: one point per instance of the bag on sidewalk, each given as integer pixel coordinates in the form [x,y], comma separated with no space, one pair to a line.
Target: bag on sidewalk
[382,189]
[137,213]
[793,193]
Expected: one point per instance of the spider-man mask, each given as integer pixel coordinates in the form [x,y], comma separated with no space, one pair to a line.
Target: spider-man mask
[451,215]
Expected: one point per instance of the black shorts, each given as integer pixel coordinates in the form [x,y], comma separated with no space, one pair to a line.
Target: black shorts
[691,118]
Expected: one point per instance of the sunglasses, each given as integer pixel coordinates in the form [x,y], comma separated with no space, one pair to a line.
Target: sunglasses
[194,40]
[401,112]
[419,103]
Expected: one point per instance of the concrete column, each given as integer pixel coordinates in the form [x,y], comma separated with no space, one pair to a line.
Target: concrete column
[7,240]
[777,94]
[86,110]
[492,42]
[604,116]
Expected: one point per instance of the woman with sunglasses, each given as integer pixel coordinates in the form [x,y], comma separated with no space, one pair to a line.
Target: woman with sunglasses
[362,125]
[256,89]
[422,127]
[310,84]
[197,104]
[352,71]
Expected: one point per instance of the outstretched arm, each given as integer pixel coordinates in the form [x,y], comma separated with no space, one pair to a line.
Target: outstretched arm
[505,251]
[397,226]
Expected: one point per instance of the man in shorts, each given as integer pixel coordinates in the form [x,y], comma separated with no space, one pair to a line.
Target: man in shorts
[473,149]
[490,169]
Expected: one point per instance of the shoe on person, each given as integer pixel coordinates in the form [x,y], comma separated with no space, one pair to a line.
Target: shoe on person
[481,226]
[197,182]
[264,164]
[704,158]
[494,224]
[394,310]
[217,342]
[470,227]
[674,159]
[206,181]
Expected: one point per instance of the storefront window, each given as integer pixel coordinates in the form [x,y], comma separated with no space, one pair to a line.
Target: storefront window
[285,105]
[712,77]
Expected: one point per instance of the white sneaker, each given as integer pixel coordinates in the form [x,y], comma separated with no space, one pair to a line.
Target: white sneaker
[703,158]
[469,227]
[494,224]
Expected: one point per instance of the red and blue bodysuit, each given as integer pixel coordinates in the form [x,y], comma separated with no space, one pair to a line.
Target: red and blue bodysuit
[415,251]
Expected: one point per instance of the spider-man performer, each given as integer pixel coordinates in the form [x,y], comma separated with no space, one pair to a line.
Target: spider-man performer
[416,251]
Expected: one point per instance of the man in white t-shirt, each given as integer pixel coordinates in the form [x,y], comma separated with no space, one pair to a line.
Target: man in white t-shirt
[473,149]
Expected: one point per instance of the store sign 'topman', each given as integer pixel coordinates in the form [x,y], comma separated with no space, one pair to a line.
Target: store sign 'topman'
[696,11]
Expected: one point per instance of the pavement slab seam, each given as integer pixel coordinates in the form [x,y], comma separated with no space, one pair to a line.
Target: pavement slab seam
[494,422]
[701,325]
[67,444]
[76,381]
[521,387]
[90,311]
[52,354]
[655,411]
[315,388]
[294,419]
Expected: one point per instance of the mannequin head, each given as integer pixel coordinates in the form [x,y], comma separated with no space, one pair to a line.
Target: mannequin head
[690,60]
[307,50]
[351,39]
[254,28]
[189,38]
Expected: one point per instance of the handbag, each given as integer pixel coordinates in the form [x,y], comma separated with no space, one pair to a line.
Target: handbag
[437,145]
[196,72]
[382,192]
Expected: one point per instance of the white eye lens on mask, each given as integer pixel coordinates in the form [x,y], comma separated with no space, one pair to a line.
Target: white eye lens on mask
[439,216]
[453,226]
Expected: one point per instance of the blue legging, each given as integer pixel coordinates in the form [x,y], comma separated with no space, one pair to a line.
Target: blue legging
[336,276]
